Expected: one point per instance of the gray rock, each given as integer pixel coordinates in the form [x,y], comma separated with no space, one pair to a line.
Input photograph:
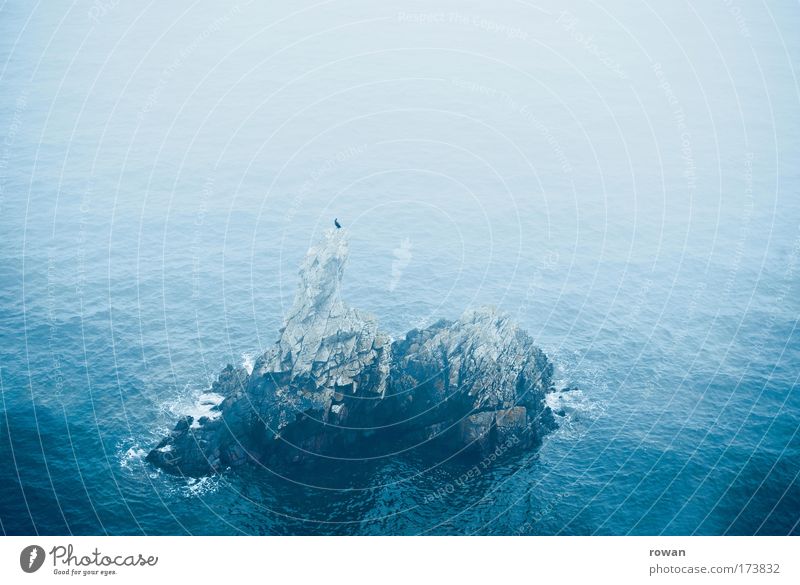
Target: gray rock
[334,384]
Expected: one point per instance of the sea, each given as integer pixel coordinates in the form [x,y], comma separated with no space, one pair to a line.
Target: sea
[620,178]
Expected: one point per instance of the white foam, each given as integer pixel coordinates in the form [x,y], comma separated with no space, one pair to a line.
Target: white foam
[199,486]
[567,401]
[132,456]
[247,362]
[204,407]
[192,402]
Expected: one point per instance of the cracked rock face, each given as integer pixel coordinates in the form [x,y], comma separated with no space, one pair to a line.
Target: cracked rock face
[334,385]
[325,341]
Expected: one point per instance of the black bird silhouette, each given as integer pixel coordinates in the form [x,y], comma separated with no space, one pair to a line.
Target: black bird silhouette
[336,223]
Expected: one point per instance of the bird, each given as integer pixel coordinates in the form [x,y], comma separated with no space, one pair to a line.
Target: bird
[337,224]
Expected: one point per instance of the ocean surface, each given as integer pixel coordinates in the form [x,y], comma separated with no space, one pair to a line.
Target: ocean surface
[622,179]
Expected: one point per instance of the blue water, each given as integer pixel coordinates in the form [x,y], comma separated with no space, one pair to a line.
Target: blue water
[623,179]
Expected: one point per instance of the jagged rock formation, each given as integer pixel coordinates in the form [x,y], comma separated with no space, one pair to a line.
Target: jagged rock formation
[325,341]
[335,386]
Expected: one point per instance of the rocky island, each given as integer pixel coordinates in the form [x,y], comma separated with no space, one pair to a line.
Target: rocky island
[335,386]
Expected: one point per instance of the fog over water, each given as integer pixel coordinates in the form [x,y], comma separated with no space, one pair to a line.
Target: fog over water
[621,178]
